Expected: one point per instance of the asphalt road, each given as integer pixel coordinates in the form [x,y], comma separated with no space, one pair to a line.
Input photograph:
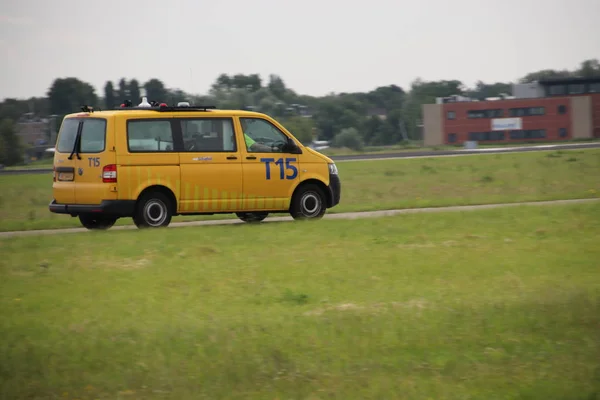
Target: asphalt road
[347,216]
[403,154]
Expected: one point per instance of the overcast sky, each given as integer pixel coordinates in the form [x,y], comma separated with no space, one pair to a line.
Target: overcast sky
[316,46]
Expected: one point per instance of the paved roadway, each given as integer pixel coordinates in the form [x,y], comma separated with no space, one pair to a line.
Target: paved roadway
[347,216]
[403,154]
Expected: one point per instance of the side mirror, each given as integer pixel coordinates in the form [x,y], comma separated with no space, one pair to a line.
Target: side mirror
[291,147]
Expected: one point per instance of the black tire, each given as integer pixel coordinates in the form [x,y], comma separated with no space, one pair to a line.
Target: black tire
[154,210]
[252,217]
[308,203]
[97,222]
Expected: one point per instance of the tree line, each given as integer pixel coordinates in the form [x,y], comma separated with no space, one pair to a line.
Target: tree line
[383,116]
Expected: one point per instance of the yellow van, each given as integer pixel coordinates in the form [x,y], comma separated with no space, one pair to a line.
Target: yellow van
[153,163]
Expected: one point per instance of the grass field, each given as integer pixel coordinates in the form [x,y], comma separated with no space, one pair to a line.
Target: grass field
[417,146]
[43,163]
[375,185]
[496,304]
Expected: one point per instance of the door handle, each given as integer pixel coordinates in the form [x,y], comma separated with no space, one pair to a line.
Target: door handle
[232,158]
[251,158]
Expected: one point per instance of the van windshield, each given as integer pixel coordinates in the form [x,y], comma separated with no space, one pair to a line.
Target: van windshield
[67,135]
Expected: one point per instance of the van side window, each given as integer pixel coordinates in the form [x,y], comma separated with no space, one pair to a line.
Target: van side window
[149,136]
[262,136]
[208,135]
[93,136]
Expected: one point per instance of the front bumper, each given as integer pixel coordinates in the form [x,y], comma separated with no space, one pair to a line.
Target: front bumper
[335,190]
[114,208]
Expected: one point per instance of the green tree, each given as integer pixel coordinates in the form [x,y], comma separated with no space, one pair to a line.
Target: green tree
[175,96]
[11,149]
[67,95]
[277,86]
[372,129]
[302,128]
[109,95]
[134,91]
[155,90]
[349,138]
[483,90]
[545,74]
[123,92]
[12,109]
[589,68]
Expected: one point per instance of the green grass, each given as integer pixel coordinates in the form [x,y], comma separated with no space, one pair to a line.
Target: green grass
[377,185]
[42,163]
[496,304]
[418,146]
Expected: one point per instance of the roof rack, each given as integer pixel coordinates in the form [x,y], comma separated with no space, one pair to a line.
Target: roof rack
[152,106]
[167,108]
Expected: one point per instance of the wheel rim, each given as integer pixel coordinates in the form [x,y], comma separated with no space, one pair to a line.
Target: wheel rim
[310,204]
[155,212]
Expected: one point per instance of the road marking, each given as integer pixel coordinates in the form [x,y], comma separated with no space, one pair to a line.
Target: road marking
[348,216]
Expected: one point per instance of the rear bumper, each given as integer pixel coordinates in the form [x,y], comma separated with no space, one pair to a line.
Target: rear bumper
[115,208]
[335,189]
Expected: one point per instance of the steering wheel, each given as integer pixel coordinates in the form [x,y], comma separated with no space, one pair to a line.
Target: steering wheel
[277,145]
[263,140]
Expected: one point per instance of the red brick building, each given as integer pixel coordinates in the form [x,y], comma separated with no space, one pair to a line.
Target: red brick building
[549,110]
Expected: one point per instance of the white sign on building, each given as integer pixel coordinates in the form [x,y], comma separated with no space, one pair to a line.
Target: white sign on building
[503,124]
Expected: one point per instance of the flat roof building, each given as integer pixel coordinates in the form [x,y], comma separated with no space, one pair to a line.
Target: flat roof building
[547,110]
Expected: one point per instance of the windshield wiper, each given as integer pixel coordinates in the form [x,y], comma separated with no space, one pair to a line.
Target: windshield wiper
[76,145]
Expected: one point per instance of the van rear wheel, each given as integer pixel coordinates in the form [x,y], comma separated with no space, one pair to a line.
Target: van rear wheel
[154,210]
[252,217]
[97,222]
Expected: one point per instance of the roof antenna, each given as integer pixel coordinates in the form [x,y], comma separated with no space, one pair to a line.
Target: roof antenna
[144,102]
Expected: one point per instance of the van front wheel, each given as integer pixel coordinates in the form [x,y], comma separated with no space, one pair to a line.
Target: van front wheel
[308,203]
[153,211]
[96,222]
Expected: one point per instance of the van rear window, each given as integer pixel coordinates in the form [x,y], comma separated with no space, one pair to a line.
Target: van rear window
[66,135]
[93,135]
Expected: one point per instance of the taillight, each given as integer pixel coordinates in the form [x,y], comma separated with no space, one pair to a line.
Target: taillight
[109,173]
[53,173]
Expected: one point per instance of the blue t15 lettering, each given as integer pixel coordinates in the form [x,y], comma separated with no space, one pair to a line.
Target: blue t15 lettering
[282,169]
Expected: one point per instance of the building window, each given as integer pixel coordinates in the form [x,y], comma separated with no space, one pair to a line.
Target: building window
[492,136]
[452,138]
[497,135]
[526,111]
[528,134]
[594,88]
[562,132]
[451,115]
[557,90]
[495,113]
[562,109]
[577,88]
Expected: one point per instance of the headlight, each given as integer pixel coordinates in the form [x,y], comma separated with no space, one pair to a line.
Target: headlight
[333,169]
